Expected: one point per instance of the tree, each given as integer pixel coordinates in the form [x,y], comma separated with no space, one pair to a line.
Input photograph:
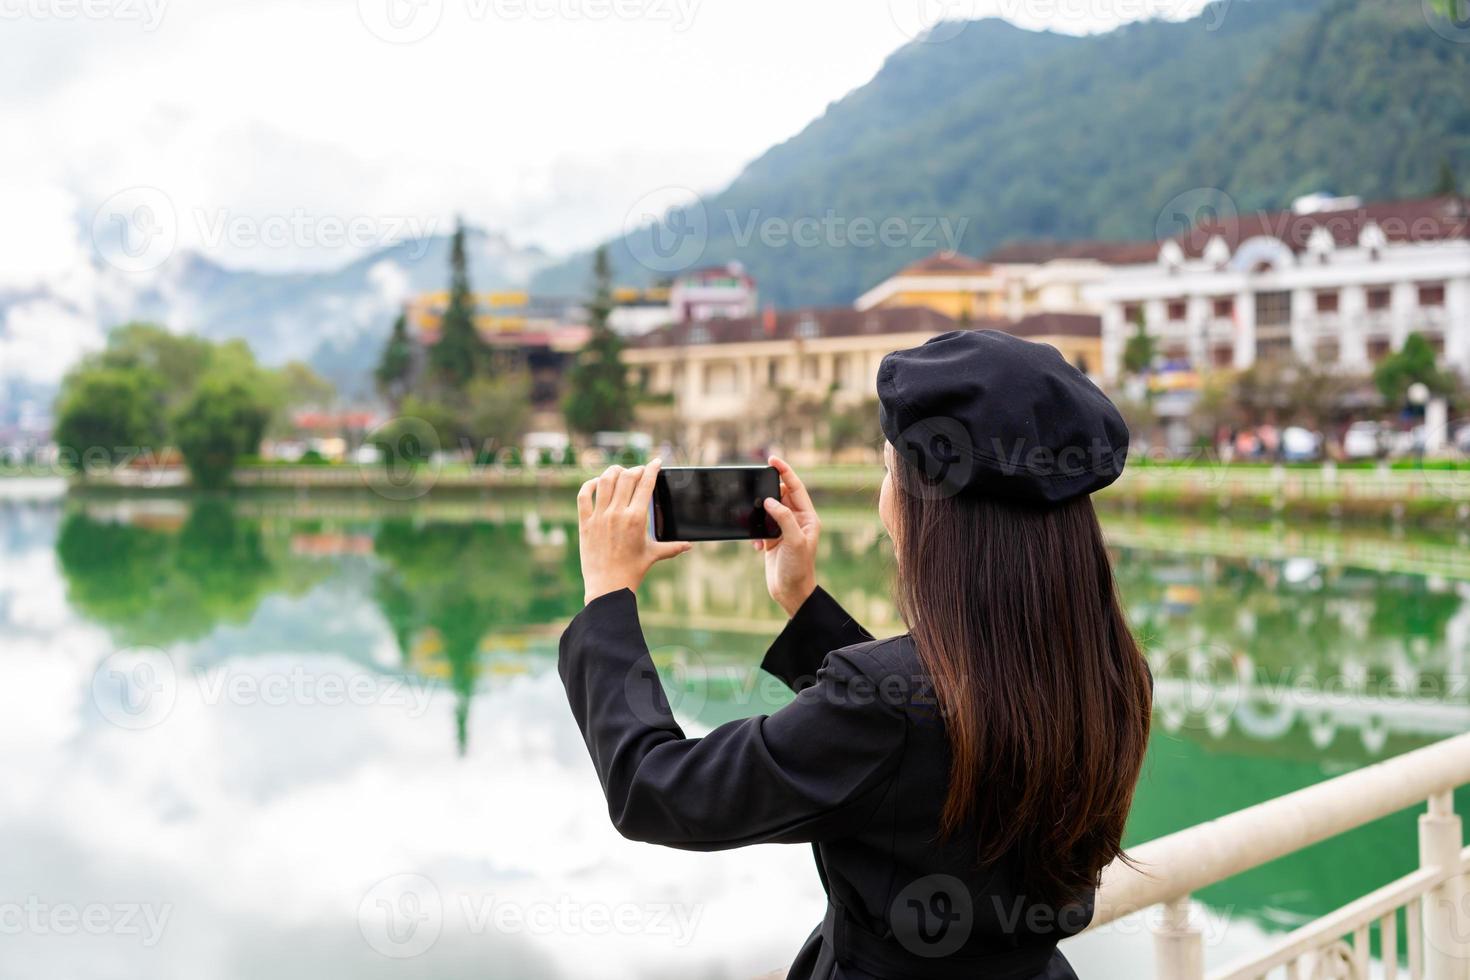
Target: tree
[1410,364]
[1445,184]
[175,361]
[499,410]
[108,412]
[1141,349]
[394,370]
[599,397]
[223,419]
[296,386]
[460,352]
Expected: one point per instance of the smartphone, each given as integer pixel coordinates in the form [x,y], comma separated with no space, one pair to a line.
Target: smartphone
[714,503]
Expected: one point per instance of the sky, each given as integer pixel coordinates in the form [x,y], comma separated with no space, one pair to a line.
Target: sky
[300,134]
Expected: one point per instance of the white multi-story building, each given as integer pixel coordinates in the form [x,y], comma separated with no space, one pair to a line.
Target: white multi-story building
[1339,287]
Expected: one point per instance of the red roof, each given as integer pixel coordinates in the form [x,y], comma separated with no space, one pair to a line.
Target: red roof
[844,322]
[1423,219]
[946,263]
[1047,250]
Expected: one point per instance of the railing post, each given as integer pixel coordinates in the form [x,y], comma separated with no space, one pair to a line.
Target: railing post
[1179,948]
[1446,919]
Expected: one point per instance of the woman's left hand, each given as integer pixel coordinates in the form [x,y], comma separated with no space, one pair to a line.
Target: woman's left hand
[612,520]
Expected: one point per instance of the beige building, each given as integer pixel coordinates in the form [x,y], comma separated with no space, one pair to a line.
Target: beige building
[1012,282]
[738,388]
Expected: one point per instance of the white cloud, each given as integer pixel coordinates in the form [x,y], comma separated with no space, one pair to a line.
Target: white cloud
[544,118]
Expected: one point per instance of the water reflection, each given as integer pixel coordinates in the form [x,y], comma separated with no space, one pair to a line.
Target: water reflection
[1280,659]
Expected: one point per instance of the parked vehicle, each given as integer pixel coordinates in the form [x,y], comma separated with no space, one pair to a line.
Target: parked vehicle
[1363,440]
[1300,445]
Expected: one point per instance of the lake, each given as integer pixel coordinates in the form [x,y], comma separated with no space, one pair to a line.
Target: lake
[315,737]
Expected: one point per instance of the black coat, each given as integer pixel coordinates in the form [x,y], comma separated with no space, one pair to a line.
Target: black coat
[856,765]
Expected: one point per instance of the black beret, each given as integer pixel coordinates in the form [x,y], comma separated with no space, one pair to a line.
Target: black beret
[983,412]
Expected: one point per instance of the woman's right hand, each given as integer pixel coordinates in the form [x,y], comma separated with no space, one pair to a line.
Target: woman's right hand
[791,559]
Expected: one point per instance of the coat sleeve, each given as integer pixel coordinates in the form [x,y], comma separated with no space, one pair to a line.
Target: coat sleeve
[819,627]
[814,770]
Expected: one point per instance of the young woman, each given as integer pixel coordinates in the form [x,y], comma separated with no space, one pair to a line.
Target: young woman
[964,784]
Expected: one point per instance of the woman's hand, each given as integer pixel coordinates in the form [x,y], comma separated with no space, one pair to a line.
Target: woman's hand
[612,522]
[791,559]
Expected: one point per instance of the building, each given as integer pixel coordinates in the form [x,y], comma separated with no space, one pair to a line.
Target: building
[735,388]
[1011,282]
[545,333]
[716,292]
[1331,282]
[637,311]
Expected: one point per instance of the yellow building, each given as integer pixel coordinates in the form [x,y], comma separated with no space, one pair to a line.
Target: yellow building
[736,389]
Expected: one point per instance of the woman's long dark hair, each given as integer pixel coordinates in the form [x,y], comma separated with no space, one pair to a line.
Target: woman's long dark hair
[1045,695]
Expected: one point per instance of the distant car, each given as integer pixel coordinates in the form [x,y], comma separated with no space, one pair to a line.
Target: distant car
[1410,442]
[1299,445]
[1363,440]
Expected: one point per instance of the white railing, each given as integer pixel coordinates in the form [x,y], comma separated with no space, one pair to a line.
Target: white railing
[1434,899]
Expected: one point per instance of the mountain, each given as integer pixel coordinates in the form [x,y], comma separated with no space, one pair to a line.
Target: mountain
[1006,134]
[335,320]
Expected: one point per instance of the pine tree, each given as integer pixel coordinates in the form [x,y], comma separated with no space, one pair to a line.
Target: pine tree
[599,397]
[392,373]
[460,352]
[1445,184]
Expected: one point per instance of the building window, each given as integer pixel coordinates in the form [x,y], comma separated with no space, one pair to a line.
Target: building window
[1380,299]
[1273,309]
[1224,306]
[807,328]
[1177,310]
[1132,313]
[1327,351]
[1431,294]
[773,373]
[1176,354]
[699,334]
[1436,343]
[1222,355]
[1378,348]
[1327,301]
[839,370]
[1274,348]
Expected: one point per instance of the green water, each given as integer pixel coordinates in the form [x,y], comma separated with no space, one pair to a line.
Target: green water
[291,730]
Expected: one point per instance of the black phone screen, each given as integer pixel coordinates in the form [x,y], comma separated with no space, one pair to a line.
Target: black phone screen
[714,503]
